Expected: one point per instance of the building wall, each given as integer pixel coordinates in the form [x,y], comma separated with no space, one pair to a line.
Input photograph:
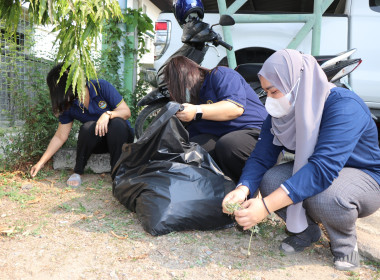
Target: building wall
[152,12]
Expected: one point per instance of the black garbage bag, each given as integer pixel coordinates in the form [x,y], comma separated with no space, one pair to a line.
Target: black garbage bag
[170,183]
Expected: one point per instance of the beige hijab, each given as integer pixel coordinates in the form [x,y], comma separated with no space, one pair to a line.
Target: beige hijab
[299,129]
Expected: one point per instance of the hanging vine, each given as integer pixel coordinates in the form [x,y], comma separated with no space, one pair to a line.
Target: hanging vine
[110,64]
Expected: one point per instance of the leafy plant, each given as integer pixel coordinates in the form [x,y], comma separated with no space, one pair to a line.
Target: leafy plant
[109,63]
[29,142]
[78,23]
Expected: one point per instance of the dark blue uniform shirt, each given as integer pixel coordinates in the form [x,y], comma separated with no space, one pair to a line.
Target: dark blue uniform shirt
[223,83]
[347,137]
[103,97]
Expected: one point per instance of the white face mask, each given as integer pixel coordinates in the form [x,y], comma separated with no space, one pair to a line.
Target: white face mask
[279,107]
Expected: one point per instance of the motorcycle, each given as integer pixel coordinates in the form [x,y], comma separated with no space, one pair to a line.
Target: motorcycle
[196,36]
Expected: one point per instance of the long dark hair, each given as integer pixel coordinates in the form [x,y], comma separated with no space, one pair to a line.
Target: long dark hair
[60,101]
[182,74]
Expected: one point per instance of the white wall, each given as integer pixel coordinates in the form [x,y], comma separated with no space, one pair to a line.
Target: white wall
[152,12]
[44,39]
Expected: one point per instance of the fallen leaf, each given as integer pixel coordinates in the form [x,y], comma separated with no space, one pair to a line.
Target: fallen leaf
[90,189]
[118,236]
[144,256]
[36,200]
[7,230]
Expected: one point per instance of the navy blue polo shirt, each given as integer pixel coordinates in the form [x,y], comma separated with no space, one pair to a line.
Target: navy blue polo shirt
[221,84]
[103,97]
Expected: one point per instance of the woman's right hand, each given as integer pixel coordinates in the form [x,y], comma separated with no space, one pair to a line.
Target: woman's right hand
[35,169]
[188,112]
[238,195]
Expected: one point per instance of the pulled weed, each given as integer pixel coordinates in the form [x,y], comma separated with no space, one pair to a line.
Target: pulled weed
[231,208]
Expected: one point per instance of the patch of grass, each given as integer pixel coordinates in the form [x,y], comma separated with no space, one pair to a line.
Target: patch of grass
[63,176]
[376,266]
[107,224]
[89,171]
[188,238]
[43,174]
[13,190]
[81,209]
[99,184]
[37,230]
[66,207]
[353,275]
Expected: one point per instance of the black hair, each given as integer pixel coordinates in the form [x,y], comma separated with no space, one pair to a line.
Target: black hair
[60,100]
[182,74]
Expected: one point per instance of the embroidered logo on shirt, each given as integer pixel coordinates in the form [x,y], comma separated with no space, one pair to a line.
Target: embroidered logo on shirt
[209,102]
[102,104]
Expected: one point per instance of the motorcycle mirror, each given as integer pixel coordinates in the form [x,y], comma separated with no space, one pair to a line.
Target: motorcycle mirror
[226,20]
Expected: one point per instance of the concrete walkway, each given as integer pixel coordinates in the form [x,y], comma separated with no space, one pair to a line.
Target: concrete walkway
[368,229]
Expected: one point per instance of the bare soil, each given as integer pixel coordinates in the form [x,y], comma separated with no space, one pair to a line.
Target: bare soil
[49,231]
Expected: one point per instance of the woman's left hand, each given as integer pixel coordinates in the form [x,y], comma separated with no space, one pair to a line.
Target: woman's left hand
[101,127]
[188,113]
[253,212]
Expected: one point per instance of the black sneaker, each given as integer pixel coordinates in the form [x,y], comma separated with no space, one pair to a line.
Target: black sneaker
[349,262]
[300,241]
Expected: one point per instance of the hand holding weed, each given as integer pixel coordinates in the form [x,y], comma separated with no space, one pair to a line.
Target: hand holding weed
[231,208]
[253,212]
[236,196]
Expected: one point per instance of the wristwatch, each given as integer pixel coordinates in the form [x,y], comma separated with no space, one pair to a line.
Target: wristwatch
[109,113]
[199,113]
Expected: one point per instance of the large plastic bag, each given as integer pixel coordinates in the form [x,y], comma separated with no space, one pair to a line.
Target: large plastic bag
[170,183]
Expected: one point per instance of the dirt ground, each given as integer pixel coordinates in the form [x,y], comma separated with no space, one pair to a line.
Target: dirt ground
[49,231]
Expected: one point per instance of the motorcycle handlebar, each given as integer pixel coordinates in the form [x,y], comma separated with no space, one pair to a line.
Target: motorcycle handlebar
[218,41]
[225,45]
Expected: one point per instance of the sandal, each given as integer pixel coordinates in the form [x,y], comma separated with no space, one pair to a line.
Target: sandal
[349,262]
[298,242]
[74,178]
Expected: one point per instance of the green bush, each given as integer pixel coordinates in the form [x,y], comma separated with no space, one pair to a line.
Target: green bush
[25,145]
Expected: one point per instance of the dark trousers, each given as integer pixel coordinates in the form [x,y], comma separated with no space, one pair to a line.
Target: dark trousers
[231,150]
[88,143]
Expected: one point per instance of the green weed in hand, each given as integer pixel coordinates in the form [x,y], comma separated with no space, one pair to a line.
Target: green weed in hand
[231,207]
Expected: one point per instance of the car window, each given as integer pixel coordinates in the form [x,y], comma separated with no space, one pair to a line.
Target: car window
[375,5]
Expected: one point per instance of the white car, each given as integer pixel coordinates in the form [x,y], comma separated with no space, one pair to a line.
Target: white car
[347,24]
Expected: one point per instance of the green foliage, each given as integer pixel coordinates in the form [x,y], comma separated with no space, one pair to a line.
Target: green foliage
[109,63]
[30,142]
[78,23]
[30,103]
[77,30]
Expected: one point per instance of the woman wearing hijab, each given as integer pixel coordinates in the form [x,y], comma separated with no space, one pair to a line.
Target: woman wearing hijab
[223,113]
[335,176]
